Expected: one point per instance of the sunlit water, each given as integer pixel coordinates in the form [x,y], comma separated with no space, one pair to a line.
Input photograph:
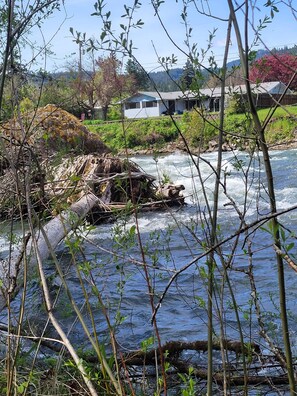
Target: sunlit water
[171,240]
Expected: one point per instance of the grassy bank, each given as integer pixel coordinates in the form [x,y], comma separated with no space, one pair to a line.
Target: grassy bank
[199,131]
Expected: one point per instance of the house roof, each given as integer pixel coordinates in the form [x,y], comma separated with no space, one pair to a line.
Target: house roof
[273,87]
[164,95]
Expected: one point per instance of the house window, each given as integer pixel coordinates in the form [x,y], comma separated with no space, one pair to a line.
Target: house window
[150,103]
[132,105]
[190,104]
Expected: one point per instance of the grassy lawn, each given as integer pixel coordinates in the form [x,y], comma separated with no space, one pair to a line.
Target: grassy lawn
[285,111]
[157,132]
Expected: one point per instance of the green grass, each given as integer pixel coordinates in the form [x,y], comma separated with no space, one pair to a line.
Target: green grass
[141,133]
[157,132]
[285,111]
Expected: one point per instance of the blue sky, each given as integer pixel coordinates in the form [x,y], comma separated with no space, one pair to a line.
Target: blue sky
[151,41]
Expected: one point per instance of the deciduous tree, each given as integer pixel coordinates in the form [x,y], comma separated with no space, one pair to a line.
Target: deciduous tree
[275,68]
[103,86]
[110,83]
[17,20]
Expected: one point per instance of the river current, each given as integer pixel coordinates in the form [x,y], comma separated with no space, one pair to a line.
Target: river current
[170,240]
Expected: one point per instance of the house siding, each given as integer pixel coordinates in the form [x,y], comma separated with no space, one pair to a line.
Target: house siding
[210,99]
[142,112]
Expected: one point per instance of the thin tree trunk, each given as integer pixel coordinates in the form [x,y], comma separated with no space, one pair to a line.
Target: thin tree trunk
[269,174]
[41,249]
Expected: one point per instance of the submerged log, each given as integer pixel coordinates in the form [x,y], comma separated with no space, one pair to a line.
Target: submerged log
[257,375]
[174,349]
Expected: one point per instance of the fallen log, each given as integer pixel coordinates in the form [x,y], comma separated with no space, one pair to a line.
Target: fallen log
[255,375]
[170,191]
[48,237]
[236,379]
[104,197]
[176,347]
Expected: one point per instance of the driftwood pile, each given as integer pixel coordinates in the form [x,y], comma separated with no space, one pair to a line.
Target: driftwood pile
[53,168]
[113,181]
[51,153]
[30,146]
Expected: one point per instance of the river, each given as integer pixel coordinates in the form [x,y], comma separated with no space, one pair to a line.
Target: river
[172,239]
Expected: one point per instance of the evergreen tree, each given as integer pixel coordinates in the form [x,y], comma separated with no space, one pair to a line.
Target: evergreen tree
[188,75]
[139,75]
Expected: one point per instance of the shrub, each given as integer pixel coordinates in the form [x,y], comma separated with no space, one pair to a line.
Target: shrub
[114,113]
[236,104]
[196,130]
[281,130]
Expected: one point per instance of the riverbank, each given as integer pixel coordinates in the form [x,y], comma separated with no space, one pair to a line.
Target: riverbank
[180,147]
[284,146]
[163,134]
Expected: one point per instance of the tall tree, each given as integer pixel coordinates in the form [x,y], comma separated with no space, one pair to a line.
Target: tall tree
[139,75]
[101,85]
[188,75]
[61,91]
[109,83]
[16,22]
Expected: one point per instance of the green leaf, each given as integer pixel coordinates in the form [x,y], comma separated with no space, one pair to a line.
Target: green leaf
[132,231]
[283,234]
[290,246]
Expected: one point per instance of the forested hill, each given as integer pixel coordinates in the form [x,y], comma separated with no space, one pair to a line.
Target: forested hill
[262,52]
[167,81]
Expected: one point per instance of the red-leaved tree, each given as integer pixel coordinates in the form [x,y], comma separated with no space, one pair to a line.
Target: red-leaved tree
[103,86]
[275,68]
[110,83]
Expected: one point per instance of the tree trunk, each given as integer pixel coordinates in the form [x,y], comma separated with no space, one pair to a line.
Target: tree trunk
[104,112]
[48,237]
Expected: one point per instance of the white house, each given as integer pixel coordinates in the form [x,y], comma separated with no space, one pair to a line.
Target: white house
[154,104]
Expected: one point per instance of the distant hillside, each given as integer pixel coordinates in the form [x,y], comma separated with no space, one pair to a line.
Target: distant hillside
[168,81]
[236,62]
[263,52]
